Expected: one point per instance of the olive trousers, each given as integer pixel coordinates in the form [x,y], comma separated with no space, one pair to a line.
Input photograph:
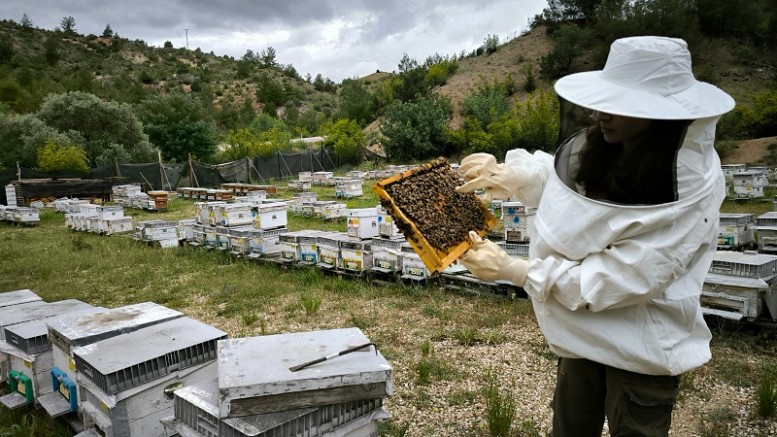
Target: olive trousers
[634,404]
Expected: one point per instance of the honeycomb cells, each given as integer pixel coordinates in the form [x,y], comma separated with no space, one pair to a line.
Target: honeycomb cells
[427,197]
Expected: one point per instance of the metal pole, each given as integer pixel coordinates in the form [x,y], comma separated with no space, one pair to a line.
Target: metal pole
[187,39]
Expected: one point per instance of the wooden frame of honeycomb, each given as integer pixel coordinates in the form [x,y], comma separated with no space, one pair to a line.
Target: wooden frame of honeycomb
[434,218]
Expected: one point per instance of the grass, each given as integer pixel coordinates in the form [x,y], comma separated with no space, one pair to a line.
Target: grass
[500,407]
[438,342]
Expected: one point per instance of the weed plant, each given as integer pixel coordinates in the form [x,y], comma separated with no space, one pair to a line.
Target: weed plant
[500,407]
[766,394]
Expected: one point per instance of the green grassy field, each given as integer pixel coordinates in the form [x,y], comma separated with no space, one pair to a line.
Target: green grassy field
[407,322]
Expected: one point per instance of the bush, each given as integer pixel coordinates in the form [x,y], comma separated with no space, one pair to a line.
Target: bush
[55,158]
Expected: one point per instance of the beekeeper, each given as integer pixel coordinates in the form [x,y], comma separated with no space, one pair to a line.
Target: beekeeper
[624,234]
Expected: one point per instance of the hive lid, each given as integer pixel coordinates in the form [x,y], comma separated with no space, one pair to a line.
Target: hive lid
[38,310]
[31,336]
[442,235]
[82,329]
[17,297]
[254,375]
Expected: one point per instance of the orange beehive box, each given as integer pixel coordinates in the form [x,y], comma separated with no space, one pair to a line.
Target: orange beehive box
[432,216]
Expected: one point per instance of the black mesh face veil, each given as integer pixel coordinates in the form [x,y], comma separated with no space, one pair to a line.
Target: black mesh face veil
[572,118]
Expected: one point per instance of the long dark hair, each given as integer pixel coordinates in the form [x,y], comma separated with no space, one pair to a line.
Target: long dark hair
[645,175]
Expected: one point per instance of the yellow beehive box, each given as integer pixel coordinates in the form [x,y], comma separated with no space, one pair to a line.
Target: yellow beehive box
[432,216]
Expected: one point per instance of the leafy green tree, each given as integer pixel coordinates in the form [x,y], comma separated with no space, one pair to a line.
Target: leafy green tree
[68,157]
[356,102]
[68,24]
[179,125]
[491,43]
[6,51]
[110,130]
[270,93]
[418,129]
[51,50]
[108,32]
[264,122]
[538,121]
[241,143]
[347,138]
[168,45]
[487,103]
[570,42]
[274,140]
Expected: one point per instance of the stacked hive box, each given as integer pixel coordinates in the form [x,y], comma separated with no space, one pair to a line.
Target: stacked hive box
[7,301]
[516,218]
[161,232]
[736,230]
[740,285]
[72,331]
[127,394]
[26,349]
[340,396]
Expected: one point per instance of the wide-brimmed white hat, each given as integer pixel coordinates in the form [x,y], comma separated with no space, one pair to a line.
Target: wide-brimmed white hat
[646,77]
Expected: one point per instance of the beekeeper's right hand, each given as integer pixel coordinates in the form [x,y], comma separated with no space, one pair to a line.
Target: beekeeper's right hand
[486,260]
[480,170]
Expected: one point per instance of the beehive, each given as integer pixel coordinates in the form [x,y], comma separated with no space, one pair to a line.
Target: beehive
[386,254]
[196,414]
[362,222]
[299,246]
[72,331]
[271,215]
[268,385]
[736,230]
[429,212]
[16,297]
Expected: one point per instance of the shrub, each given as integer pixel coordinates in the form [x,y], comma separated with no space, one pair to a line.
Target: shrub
[54,158]
[500,407]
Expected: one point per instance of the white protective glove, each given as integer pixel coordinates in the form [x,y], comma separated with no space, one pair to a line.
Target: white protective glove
[499,181]
[489,262]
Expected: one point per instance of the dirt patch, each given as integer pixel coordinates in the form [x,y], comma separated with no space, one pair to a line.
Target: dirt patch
[750,151]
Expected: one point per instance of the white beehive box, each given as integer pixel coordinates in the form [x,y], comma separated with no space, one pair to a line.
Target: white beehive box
[299,185]
[413,267]
[26,215]
[328,245]
[235,214]
[349,188]
[741,285]
[267,385]
[319,207]
[72,331]
[322,177]
[198,235]
[386,226]
[749,185]
[334,211]
[516,218]
[362,222]
[254,242]
[356,256]
[766,231]
[27,312]
[222,238]
[93,224]
[298,246]
[110,226]
[186,229]
[271,215]
[305,176]
[387,254]
[196,413]
[518,250]
[157,230]
[206,213]
[736,230]
[109,212]
[124,394]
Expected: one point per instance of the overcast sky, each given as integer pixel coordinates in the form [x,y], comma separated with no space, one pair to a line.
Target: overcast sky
[337,38]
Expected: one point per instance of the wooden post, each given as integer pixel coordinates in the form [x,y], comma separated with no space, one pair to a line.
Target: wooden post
[118,169]
[191,171]
[18,171]
[161,171]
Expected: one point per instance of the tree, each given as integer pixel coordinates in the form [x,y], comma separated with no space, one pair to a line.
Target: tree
[68,25]
[179,125]
[270,93]
[347,138]
[168,45]
[268,57]
[241,143]
[418,129]
[109,130]
[108,32]
[51,50]
[356,103]
[26,22]
[56,158]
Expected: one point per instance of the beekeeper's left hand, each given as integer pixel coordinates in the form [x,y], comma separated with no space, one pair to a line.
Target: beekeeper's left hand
[489,262]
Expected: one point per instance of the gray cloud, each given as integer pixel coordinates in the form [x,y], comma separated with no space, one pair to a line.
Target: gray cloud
[336,38]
